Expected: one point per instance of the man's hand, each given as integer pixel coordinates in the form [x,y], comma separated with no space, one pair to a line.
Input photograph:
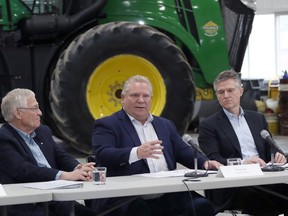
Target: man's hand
[255,160]
[150,149]
[280,158]
[81,172]
[212,164]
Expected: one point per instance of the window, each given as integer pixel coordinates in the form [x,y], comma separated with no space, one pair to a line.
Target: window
[282,43]
[259,60]
[267,52]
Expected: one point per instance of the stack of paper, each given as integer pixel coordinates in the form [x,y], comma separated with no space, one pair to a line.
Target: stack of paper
[56,184]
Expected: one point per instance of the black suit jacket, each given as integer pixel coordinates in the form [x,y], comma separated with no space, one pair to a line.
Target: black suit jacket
[219,141]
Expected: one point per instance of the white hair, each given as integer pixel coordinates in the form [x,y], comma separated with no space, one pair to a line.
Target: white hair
[13,100]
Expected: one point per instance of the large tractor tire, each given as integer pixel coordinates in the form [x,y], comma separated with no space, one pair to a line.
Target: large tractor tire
[88,78]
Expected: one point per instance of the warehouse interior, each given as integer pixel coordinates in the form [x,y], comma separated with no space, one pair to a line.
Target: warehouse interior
[76,63]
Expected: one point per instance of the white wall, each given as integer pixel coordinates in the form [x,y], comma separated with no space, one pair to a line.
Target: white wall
[271,6]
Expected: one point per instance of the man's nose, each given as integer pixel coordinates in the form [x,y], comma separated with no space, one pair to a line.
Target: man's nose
[226,94]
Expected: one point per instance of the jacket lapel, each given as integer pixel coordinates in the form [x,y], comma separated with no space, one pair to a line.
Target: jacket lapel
[128,127]
[163,135]
[228,130]
[21,142]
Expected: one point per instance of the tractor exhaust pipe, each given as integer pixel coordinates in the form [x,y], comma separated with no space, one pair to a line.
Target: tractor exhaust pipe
[56,25]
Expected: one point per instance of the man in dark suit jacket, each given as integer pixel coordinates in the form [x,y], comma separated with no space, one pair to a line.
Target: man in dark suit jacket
[235,133]
[218,139]
[29,154]
[132,141]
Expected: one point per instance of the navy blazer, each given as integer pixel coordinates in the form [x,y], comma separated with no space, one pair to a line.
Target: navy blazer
[114,137]
[17,164]
[219,141]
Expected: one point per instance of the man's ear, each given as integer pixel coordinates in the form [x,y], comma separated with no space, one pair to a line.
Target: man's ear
[17,113]
[241,91]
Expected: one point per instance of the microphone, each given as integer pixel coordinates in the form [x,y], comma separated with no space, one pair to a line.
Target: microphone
[265,135]
[271,168]
[188,139]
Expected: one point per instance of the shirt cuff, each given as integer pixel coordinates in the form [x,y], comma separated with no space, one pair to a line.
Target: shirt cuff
[58,175]
[133,155]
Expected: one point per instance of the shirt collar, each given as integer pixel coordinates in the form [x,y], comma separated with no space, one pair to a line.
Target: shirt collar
[25,136]
[231,115]
[149,119]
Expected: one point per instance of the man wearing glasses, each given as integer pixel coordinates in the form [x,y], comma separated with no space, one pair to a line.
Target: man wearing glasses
[29,154]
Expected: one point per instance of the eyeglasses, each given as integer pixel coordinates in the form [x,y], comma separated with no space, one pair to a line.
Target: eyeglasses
[34,109]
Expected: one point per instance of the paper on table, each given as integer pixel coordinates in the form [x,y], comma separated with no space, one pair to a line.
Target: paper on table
[2,191]
[56,184]
[172,173]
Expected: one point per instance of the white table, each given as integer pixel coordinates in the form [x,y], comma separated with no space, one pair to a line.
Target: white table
[138,185]
[17,194]
[134,185]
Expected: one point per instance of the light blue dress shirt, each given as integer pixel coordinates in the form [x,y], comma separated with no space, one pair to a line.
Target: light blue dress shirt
[36,151]
[242,130]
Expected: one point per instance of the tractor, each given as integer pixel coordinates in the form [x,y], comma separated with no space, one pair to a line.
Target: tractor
[76,54]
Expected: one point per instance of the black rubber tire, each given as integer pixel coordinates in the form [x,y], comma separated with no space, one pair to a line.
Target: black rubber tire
[84,54]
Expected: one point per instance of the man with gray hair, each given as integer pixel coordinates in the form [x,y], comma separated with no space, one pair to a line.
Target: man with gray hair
[29,154]
[140,142]
[235,133]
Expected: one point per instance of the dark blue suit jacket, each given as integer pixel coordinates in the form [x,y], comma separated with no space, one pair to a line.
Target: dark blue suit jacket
[17,163]
[114,137]
[219,141]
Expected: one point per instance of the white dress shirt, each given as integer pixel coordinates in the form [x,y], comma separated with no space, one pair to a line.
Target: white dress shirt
[146,133]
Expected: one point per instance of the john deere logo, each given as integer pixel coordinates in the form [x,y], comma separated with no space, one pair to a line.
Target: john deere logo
[210,29]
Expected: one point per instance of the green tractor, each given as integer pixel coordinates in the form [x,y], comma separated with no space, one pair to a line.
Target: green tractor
[76,54]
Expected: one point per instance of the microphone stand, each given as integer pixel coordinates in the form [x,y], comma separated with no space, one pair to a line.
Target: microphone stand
[272,167]
[195,174]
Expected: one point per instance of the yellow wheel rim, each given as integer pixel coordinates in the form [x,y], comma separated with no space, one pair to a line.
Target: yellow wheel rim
[104,87]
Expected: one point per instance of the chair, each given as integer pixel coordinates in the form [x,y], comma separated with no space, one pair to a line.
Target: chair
[90,158]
